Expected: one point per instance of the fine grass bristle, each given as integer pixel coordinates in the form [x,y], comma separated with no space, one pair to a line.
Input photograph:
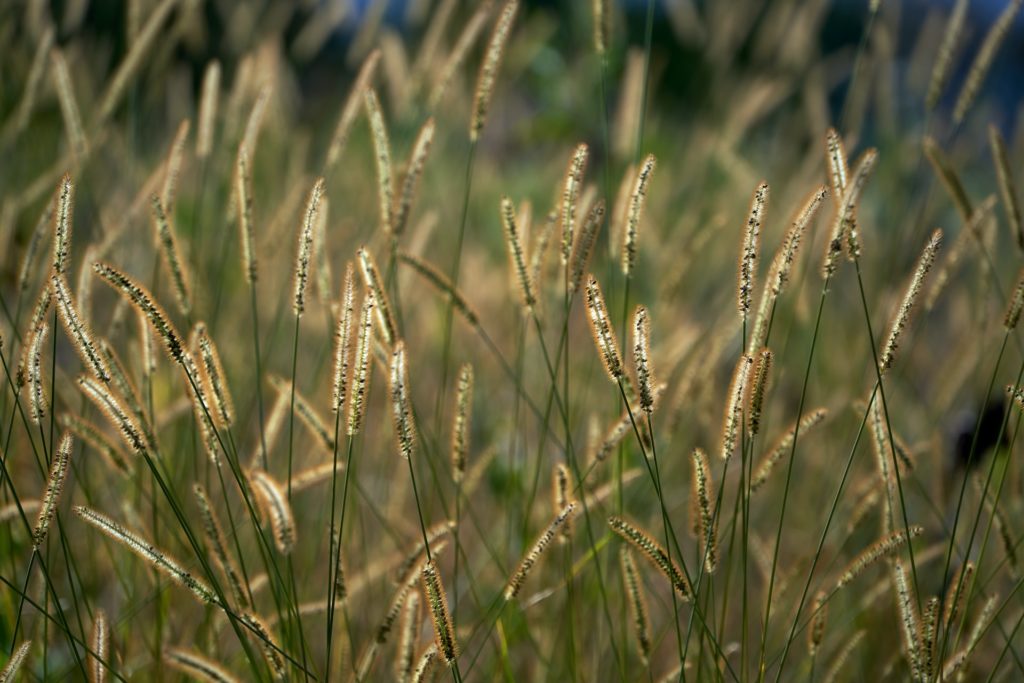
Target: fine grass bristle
[425,665]
[305,249]
[116,412]
[100,643]
[601,329]
[561,496]
[268,645]
[462,422]
[703,493]
[172,169]
[438,279]
[216,540]
[140,297]
[212,372]
[758,387]
[783,262]
[910,297]
[929,633]
[634,211]
[437,601]
[54,489]
[382,156]
[195,665]
[382,306]
[77,329]
[401,410]
[413,171]
[909,621]
[274,503]
[1015,305]
[91,435]
[783,446]
[881,548]
[654,553]
[38,402]
[28,259]
[750,250]
[343,342]
[844,226]
[306,412]
[583,249]
[571,188]
[62,224]
[171,255]
[517,256]
[361,370]
[819,620]
[515,584]
[637,601]
[484,91]
[734,405]
[9,674]
[243,200]
[149,553]
[407,640]
[642,358]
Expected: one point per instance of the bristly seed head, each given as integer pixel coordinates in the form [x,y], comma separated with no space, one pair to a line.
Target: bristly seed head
[910,297]
[361,366]
[601,328]
[642,358]
[751,247]
[489,68]
[438,601]
[516,254]
[62,224]
[405,431]
[570,197]
[461,425]
[634,209]
[343,341]
[305,250]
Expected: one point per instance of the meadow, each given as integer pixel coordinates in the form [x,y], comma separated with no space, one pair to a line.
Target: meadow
[499,340]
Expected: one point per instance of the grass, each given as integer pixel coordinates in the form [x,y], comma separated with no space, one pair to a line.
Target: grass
[201,518]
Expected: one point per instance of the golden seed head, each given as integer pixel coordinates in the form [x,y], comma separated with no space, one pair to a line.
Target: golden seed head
[461,425]
[910,297]
[570,197]
[751,247]
[601,328]
[516,254]
[401,410]
[382,155]
[634,210]
[642,358]
[343,341]
[361,367]
[437,600]
[62,224]
[305,249]
[489,68]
